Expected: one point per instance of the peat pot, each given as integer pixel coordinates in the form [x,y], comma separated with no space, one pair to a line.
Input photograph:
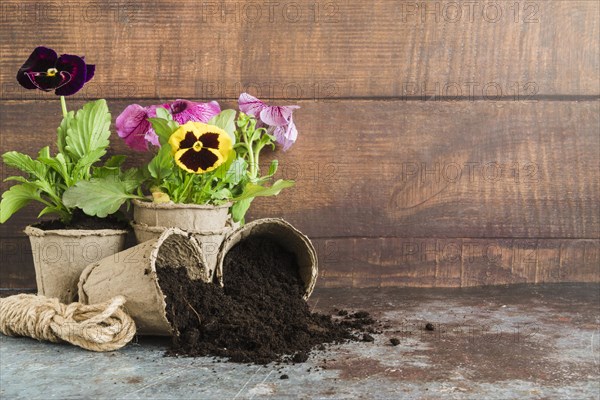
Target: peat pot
[132,273]
[60,255]
[209,224]
[284,234]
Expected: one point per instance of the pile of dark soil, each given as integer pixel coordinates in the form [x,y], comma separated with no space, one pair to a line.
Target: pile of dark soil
[259,316]
[82,221]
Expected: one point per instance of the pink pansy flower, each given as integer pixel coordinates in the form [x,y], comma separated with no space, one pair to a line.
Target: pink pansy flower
[278,118]
[187,111]
[133,125]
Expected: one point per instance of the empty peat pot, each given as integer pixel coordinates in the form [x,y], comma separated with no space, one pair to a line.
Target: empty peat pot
[60,256]
[132,273]
[285,235]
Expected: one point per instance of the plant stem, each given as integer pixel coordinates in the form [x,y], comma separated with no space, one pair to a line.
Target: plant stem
[250,154]
[256,159]
[186,186]
[252,163]
[63,105]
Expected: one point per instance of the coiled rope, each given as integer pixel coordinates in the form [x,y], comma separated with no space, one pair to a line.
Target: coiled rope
[97,327]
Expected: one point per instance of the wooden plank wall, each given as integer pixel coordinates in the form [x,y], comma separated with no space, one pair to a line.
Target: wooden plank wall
[442,143]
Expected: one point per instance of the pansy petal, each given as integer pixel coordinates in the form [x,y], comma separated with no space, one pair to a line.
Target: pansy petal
[198,161]
[250,105]
[286,135]
[151,110]
[277,115]
[181,153]
[40,60]
[188,141]
[90,70]
[77,68]
[210,140]
[180,135]
[184,111]
[46,82]
[152,138]
[132,125]
[203,112]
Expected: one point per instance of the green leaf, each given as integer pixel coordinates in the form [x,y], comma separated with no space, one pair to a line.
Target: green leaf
[253,190]
[112,166]
[266,139]
[226,121]
[163,128]
[239,209]
[61,140]
[163,113]
[132,178]
[81,169]
[25,163]
[44,152]
[237,171]
[98,196]
[17,197]
[273,168]
[16,178]
[49,210]
[115,161]
[58,164]
[222,194]
[45,187]
[161,166]
[103,172]
[88,131]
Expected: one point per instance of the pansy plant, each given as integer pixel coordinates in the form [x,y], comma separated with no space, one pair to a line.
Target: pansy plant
[203,155]
[82,140]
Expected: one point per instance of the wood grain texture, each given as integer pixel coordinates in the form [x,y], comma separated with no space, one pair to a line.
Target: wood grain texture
[458,262]
[312,48]
[412,169]
[441,143]
[423,262]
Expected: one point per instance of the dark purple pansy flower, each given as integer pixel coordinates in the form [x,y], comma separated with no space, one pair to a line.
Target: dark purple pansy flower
[44,70]
[278,118]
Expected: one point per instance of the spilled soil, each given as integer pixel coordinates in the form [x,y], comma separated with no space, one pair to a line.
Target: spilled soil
[259,315]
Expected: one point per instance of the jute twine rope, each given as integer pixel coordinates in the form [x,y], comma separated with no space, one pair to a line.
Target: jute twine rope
[98,327]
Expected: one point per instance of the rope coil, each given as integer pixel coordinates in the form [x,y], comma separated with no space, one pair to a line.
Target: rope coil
[97,327]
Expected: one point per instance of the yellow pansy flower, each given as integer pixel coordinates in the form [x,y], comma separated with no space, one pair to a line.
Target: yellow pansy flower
[199,147]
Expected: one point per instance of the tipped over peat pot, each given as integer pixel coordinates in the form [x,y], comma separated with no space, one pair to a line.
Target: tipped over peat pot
[60,256]
[132,273]
[209,224]
[286,236]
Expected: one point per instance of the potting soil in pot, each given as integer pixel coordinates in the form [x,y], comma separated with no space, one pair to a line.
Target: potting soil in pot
[259,316]
[82,221]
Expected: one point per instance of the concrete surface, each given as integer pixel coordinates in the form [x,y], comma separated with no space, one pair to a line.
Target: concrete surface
[526,342]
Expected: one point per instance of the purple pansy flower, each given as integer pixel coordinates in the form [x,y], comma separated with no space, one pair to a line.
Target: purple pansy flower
[133,125]
[187,111]
[286,134]
[44,70]
[279,118]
